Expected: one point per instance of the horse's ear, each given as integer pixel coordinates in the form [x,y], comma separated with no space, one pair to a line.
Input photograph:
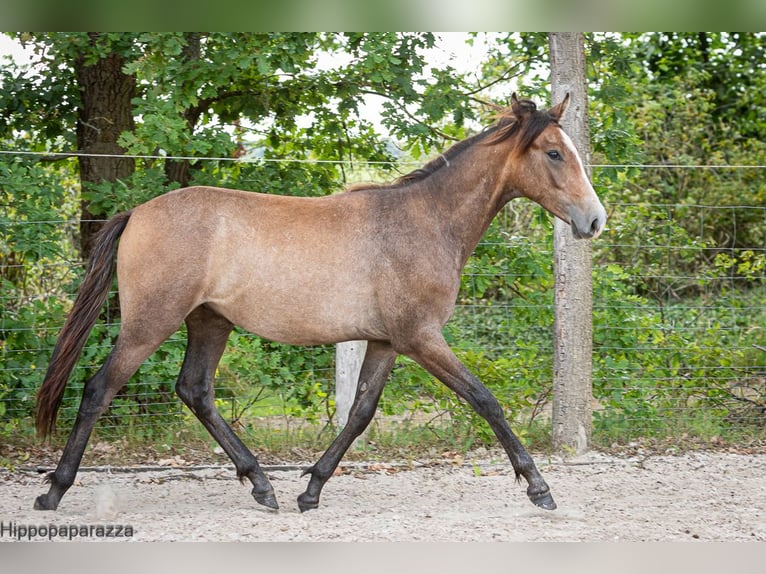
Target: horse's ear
[558,110]
[521,108]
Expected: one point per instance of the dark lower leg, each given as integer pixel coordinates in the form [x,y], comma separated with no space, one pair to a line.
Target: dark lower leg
[439,360]
[245,462]
[96,398]
[63,477]
[208,333]
[378,362]
[487,406]
[138,339]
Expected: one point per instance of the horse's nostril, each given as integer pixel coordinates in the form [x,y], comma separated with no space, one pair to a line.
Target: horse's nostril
[595,225]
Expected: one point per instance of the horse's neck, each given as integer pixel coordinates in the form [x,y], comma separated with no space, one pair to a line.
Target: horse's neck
[465,195]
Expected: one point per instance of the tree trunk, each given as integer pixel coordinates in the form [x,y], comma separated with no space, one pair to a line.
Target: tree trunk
[105,112]
[573,328]
[179,170]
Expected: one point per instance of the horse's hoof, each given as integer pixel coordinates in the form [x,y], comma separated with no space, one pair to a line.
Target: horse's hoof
[267,499]
[543,499]
[304,503]
[43,502]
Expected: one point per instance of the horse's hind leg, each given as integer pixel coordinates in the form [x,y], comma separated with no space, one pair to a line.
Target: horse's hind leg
[378,362]
[433,353]
[208,333]
[99,391]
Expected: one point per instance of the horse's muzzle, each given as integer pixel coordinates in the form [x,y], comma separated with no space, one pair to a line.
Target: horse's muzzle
[589,226]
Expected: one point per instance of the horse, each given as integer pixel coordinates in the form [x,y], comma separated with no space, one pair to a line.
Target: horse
[381,264]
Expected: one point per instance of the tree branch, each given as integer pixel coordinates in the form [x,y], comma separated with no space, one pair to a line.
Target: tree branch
[407,113]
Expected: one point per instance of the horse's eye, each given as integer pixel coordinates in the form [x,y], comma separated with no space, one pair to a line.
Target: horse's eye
[554,155]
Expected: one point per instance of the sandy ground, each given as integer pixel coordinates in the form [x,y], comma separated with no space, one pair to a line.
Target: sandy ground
[695,496]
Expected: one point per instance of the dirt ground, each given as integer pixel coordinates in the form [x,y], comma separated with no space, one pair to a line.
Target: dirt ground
[695,496]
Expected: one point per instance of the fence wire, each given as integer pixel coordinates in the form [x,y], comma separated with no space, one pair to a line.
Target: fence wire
[679,310]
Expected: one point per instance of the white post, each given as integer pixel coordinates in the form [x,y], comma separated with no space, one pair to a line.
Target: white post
[348,364]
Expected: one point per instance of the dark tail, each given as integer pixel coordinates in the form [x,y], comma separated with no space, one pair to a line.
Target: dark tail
[90,298]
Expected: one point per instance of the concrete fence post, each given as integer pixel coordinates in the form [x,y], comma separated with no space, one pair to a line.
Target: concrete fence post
[348,363]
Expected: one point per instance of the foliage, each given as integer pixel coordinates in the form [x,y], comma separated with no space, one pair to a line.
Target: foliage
[656,363]
[255,369]
[36,202]
[270,96]
[678,287]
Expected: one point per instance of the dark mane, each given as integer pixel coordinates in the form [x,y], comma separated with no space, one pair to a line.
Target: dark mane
[527,129]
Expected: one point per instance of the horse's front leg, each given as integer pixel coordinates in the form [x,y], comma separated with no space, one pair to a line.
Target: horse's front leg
[431,351]
[378,362]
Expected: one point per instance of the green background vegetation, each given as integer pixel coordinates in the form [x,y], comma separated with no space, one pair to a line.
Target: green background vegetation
[679,312]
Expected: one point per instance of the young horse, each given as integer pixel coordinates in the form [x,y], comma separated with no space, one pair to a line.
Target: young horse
[381,264]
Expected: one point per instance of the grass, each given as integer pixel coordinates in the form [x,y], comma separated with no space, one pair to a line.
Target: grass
[280,440]
[275,439]
[275,431]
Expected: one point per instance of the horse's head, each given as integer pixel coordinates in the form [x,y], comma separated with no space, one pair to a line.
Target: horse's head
[545,167]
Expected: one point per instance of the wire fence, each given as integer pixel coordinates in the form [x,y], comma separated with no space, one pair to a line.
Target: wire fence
[679,330]
[691,346]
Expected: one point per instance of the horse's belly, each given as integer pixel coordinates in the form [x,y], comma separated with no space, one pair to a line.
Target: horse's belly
[302,316]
